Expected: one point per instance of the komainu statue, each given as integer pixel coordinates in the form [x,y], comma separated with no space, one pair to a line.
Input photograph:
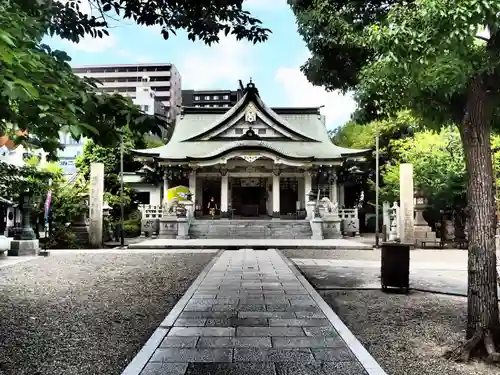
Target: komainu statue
[331,207]
[171,207]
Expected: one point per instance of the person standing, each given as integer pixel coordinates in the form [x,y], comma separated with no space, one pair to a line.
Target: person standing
[212,207]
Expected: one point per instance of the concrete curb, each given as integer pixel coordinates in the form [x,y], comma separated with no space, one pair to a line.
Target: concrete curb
[364,357]
[141,359]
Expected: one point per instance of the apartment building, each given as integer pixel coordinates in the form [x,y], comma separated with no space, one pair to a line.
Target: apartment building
[210,98]
[124,79]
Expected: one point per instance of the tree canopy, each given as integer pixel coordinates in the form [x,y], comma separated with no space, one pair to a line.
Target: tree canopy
[40,93]
[427,56]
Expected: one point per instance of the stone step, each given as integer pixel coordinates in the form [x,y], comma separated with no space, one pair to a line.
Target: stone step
[250,229]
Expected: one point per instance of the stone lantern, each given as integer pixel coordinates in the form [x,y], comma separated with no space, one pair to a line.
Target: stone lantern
[422,230]
[25,242]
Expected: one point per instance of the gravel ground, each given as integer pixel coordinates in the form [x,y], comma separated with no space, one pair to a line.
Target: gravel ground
[87,314]
[407,335]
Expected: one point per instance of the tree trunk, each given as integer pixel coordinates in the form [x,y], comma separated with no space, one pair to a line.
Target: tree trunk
[482,299]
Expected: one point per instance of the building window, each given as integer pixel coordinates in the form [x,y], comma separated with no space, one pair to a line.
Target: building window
[262,131]
[216,97]
[238,131]
[196,98]
[197,105]
[226,105]
[146,108]
[207,97]
[226,97]
[143,197]
[207,105]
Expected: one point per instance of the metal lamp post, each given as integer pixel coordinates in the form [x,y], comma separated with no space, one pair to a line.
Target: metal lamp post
[377,167]
[122,203]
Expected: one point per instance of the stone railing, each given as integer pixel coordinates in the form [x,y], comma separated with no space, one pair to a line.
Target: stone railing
[151,211]
[154,224]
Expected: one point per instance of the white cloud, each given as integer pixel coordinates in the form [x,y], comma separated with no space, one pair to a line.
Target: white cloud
[93,45]
[225,62]
[301,93]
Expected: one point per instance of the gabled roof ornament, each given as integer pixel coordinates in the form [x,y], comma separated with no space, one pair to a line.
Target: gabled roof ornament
[251,89]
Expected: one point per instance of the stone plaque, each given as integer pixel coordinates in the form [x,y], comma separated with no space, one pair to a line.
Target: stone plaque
[96,203]
[150,227]
[406,209]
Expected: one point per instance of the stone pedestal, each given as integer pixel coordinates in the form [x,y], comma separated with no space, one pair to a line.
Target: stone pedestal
[182,228]
[168,227]
[317,228]
[189,206]
[4,243]
[422,231]
[24,247]
[310,209]
[149,227]
[331,227]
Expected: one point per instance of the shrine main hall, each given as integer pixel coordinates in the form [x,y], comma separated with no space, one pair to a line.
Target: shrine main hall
[256,162]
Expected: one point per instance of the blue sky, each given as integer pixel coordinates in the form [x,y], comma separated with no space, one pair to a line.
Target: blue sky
[273,65]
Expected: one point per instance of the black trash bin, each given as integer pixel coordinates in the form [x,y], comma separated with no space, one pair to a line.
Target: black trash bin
[395,267]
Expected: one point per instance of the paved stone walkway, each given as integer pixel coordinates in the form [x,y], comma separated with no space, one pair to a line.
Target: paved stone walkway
[252,313]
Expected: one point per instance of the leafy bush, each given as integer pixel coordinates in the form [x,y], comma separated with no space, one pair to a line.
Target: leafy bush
[132,228]
[62,238]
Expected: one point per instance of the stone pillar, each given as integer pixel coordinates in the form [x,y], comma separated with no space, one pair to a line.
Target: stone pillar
[333,189]
[192,184]
[165,189]
[307,186]
[96,203]
[276,194]
[224,186]
[406,198]
[341,196]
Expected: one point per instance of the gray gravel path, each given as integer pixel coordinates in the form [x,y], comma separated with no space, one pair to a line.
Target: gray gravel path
[407,335]
[87,314]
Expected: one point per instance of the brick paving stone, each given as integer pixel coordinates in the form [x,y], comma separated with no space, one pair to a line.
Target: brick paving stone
[236,322]
[307,342]
[320,331]
[260,368]
[192,355]
[299,323]
[201,331]
[272,355]
[234,342]
[179,342]
[309,315]
[190,322]
[267,314]
[252,307]
[164,369]
[269,331]
[208,314]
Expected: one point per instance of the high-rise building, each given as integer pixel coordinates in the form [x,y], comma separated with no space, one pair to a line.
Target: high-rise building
[124,79]
[210,98]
